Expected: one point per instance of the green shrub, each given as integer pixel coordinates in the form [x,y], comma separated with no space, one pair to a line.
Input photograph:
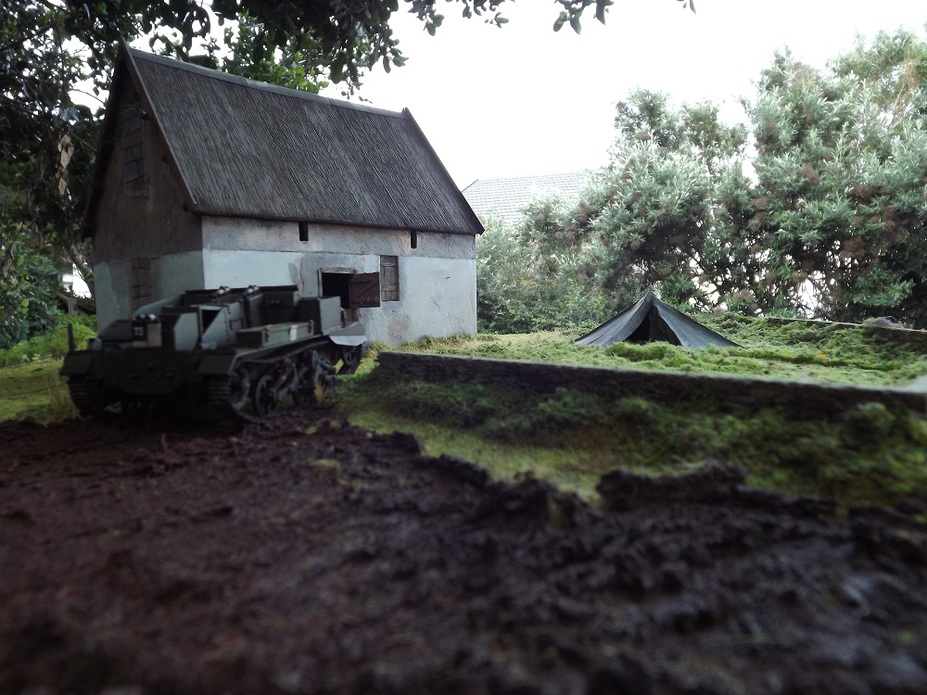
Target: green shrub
[52,344]
[29,288]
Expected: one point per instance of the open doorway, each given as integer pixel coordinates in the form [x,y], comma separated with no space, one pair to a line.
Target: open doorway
[337,284]
[356,290]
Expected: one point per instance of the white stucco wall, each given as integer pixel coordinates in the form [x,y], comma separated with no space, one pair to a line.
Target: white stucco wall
[437,279]
[437,298]
[112,299]
[170,275]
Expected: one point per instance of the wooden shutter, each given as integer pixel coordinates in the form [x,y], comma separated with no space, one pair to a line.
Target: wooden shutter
[364,290]
[389,278]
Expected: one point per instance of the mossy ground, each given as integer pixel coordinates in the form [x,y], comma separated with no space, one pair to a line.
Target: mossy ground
[869,455]
[834,353]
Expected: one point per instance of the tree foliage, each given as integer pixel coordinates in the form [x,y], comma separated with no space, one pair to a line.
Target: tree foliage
[819,210]
[28,293]
[840,198]
[645,220]
[524,283]
[51,50]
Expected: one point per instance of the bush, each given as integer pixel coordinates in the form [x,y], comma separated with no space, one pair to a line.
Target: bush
[28,292]
[52,344]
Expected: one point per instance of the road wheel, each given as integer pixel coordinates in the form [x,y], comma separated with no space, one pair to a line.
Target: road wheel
[304,392]
[266,400]
[315,375]
[350,359]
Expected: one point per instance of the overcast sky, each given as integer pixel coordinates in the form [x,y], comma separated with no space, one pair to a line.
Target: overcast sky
[523,99]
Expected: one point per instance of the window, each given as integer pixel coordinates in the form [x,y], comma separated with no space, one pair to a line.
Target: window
[389,278]
[134,180]
[413,239]
[304,232]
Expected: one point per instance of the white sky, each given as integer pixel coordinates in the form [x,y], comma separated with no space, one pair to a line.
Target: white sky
[522,99]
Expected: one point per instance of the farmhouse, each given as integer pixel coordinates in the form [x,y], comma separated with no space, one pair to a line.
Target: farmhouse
[206,179]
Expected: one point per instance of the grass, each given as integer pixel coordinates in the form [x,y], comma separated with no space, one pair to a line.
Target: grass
[30,386]
[34,390]
[771,349]
[51,345]
[869,455]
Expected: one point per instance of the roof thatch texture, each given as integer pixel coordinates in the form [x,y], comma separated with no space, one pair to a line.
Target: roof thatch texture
[245,148]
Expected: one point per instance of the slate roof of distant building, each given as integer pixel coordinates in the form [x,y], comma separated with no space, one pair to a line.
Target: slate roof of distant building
[506,198]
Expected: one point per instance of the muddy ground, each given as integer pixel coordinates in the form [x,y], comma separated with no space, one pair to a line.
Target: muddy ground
[307,556]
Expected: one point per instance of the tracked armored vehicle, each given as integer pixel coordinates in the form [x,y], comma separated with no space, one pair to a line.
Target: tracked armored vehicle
[217,348]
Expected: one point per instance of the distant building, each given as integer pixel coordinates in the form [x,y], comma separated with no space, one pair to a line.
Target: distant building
[74,283]
[506,198]
[206,179]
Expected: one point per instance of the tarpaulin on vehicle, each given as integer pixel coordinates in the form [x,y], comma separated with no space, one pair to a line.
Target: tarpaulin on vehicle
[650,319]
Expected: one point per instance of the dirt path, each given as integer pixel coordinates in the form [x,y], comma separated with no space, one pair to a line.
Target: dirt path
[304,556]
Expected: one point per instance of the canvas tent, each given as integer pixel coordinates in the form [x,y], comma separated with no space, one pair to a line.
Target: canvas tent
[651,319]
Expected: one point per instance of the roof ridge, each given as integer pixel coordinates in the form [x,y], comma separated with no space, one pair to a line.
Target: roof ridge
[232,78]
[572,172]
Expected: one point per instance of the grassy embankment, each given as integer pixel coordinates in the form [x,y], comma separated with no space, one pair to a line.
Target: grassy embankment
[29,383]
[869,455]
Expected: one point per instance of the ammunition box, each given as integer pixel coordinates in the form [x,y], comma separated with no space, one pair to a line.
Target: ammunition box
[268,336]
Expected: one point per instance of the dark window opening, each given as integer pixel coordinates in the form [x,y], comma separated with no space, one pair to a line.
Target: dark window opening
[304,232]
[337,285]
[356,290]
[208,315]
[413,239]
[389,278]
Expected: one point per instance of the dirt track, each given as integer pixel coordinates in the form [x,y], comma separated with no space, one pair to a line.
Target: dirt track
[307,556]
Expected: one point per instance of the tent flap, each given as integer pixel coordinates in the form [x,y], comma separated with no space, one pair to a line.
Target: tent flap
[650,319]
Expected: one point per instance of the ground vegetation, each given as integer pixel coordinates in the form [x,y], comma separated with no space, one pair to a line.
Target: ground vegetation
[816,209]
[868,454]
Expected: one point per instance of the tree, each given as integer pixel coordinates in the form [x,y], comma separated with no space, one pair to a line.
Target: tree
[658,216]
[528,281]
[647,220]
[650,220]
[51,49]
[839,204]
[827,218]
[28,293]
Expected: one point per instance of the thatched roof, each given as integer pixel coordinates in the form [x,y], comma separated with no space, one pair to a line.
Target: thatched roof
[250,149]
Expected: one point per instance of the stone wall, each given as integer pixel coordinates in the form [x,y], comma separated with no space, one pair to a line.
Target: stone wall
[726,392]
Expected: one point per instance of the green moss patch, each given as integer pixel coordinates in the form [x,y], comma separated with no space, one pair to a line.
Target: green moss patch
[799,350]
[868,454]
